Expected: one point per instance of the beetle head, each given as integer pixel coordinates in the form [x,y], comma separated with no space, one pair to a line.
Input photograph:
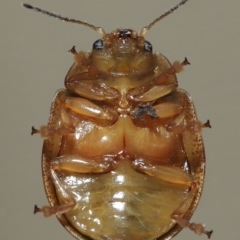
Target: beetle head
[122,52]
[126,42]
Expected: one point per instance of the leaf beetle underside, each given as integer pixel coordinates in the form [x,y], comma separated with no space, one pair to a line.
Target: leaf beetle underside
[123,156]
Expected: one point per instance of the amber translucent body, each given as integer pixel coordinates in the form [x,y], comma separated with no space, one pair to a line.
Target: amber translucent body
[123,155]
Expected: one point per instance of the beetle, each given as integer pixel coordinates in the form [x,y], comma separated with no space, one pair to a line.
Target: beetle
[123,155]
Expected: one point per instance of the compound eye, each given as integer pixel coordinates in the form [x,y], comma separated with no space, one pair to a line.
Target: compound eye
[98,44]
[148,46]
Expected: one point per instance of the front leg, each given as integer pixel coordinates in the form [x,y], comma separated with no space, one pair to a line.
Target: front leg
[160,86]
[83,79]
[174,175]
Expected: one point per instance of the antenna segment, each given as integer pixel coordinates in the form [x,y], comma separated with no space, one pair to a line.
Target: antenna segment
[171,10]
[51,14]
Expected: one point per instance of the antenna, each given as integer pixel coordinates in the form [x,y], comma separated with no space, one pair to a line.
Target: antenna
[171,10]
[97,29]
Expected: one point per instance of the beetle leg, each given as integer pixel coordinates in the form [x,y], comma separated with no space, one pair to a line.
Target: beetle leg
[168,109]
[85,107]
[55,210]
[176,67]
[193,127]
[160,86]
[68,205]
[170,174]
[73,50]
[198,228]
[91,89]
[78,164]
[177,215]
[82,79]
[150,91]
[174,175]
[79,106]
[46,132]
[168,106]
